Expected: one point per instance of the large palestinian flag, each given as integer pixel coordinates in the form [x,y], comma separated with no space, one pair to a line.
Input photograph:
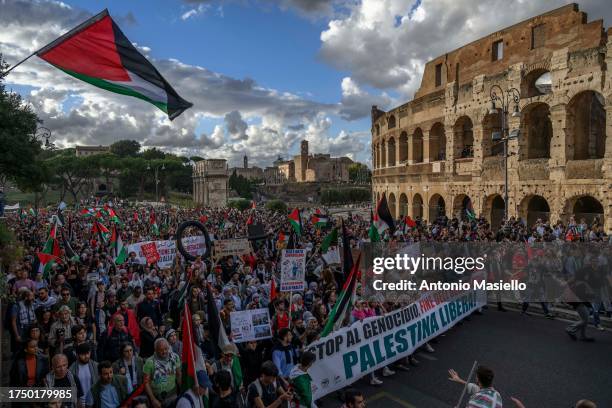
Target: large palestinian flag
[99,53]
[345,302]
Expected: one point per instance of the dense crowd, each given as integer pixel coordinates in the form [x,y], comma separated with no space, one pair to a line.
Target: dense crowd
[113,331]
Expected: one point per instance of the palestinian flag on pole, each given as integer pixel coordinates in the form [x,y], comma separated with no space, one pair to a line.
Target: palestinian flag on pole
[329,247]
[373,233]
[469,211]
[345,302]
[32,212]
[68,251]
[192,361]
[296,221]
[153,224]
[98,52]
[51,252]
[302,384]
[319,220]
[217,331]
[112,215]
[127,403]
[383,217]
[87,212]
[119,249]
[101,230]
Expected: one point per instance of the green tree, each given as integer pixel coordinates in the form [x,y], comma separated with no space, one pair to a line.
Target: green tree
[20,148]
[196,158]
[73,172]
[277,205]
[240,204]
[359,173]
[153,154]
[241,185]
[125,148]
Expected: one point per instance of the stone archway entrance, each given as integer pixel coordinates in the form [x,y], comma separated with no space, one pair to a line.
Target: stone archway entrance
[437,207]
[534,207]
[417,206]
[494,208]
[586,207]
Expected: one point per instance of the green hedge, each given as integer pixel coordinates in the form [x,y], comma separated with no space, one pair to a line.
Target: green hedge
[277,205]
[240,204]
[345,196]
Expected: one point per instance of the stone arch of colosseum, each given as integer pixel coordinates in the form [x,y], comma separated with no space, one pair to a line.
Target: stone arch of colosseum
[586,125]
[536,131]
[417,206]
[491,124]
[437,142]
[391,152]
[437,207]
[585,206]
[533,207]
[417,146]
[391,122]
[392,205]
[383,154]
[403,147]
[403,205]
[463,134]
[531,74]
[461,203]
[493,209]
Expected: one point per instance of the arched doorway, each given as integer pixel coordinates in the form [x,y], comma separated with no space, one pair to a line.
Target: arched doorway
[586,207]
[534,207]
[392,207]
[437,142]
[494,209]
[437,207]
[464,138]
[586,122]
[537,131]
[417,145]
[461,204]
[403,147]
[417,206]
[492,130]
[403,205]
[391,152]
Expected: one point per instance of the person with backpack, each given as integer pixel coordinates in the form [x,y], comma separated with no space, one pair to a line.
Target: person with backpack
[192,398]
[267,391]
[225,397]
[284,353]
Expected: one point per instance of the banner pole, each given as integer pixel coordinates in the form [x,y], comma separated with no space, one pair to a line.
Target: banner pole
[290,302]
[466,384]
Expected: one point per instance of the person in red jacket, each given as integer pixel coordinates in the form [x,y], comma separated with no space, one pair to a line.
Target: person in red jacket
[130,317]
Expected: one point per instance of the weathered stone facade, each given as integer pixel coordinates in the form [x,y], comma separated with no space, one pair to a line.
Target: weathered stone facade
[210,183]
[436,153]
[317,167]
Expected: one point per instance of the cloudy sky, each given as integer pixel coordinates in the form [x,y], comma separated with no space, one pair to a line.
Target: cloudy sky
[262,74]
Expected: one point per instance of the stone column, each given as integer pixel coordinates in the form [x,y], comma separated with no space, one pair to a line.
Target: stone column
[478,132]
[426,141]
[411,148]
[559,144]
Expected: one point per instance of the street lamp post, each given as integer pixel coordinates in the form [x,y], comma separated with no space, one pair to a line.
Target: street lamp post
[43,133]
[504,99]
[156,169]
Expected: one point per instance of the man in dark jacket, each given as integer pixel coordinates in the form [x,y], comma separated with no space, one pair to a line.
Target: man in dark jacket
[29,367]
[110,390]
[149,307]
[113,339]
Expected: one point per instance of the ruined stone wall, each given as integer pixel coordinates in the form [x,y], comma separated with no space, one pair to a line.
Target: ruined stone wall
[430,153]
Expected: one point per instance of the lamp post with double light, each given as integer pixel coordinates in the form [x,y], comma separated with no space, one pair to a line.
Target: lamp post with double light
[502,100]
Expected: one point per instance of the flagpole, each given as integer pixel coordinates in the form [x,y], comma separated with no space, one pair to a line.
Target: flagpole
[58,40]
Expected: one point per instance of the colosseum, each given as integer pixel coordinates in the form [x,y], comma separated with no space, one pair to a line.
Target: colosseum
[444,150]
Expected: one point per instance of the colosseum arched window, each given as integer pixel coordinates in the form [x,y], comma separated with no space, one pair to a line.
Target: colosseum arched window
[437,142]
[491,135]
[536,131]
[464,138]
[391,122]
[586,122]
[403,147]
[417,145]
[391,152]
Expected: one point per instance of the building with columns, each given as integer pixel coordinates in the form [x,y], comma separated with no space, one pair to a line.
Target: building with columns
[440,151]
[210,183]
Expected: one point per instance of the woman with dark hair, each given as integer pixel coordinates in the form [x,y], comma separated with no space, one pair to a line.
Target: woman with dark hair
[79,336]
[83,318]
[29,367]
[148,335]
[34,333]
[129,365]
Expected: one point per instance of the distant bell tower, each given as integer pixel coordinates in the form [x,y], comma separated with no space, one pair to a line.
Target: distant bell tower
[303,159]
[246,162]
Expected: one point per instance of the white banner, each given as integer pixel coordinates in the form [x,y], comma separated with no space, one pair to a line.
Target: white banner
[250,325]
[227,247]
[195,245]
[293,270]
[346,355]
[332,256]
[14,207]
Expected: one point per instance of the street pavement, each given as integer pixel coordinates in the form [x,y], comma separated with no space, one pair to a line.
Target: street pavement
[532,357]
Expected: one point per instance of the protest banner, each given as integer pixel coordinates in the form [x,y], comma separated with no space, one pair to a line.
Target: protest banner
[346,355]
[229,247]
[250,325]
[149,250]
[195,245]
[293,270]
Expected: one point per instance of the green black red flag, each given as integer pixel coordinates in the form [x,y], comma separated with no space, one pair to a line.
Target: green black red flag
[98,52]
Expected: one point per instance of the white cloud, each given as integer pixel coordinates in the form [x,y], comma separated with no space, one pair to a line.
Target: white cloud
[369,43]
[194,12]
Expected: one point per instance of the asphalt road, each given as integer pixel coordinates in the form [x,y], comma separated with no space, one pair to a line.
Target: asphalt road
[533,359]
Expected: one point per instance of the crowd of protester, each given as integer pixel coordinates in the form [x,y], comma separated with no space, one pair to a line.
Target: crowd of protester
[108,329]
